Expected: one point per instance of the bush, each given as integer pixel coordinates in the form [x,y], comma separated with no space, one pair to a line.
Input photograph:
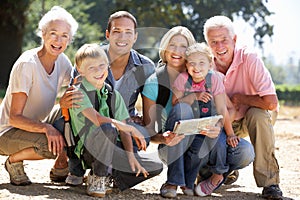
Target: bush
[288,94]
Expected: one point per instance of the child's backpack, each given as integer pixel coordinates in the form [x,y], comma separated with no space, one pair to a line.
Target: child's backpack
[63,123]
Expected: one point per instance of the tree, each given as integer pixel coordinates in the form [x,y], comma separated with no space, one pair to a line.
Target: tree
[87,32]
[12,15]
[164,14]
[92,16]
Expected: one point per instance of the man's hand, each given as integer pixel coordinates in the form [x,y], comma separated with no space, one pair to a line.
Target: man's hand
[138,120]
[236,100]
[232,140]
[70,98]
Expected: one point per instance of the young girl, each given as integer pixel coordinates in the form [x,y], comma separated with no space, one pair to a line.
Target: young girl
[202,88]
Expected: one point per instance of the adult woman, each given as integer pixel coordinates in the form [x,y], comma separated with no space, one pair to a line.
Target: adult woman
[35,79]
[172,147]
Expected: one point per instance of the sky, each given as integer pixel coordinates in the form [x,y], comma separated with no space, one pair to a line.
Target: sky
[285,42]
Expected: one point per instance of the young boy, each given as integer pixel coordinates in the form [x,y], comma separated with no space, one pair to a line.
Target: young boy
[98,132]
[202,88]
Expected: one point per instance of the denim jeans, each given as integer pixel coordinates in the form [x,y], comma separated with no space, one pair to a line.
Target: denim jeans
[184,159]
[122,172]
[237,158]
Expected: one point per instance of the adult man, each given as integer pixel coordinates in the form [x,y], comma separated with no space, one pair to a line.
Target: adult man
[127,74]
[249,86]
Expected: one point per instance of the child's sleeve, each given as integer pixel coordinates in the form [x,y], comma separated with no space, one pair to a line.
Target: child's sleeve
[180,81]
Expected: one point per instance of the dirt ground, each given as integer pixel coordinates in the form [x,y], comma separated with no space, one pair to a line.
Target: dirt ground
[287,131]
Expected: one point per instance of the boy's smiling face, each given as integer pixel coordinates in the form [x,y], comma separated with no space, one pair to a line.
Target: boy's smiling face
[95,70]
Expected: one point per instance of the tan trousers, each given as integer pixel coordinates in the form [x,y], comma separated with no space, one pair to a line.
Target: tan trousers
[257,123]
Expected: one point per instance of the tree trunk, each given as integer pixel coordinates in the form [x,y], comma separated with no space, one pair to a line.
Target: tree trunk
[12,15]
[10,49]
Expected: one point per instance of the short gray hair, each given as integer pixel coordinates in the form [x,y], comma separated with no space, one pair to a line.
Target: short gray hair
[57,13]
[218,21]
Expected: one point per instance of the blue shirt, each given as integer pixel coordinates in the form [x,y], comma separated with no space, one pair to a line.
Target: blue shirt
[129,86]
[151,92]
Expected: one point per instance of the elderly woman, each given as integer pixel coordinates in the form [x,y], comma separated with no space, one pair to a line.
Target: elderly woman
[35,80]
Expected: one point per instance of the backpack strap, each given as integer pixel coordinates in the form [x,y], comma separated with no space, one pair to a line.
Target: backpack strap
[163,86]
[208,81]
[111,100]
[163,94]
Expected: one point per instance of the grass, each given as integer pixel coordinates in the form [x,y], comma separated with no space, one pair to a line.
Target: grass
[2,93]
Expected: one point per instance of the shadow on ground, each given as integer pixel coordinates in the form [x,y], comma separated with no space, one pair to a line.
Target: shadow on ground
[61,191]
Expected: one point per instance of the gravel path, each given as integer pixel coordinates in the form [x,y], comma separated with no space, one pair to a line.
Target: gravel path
[287,151]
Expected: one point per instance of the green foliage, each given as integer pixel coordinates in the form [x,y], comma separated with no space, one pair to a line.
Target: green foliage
[92,17]
[288,94]
[12,13]
[277,72]
[2,93]
[189,13]
[87,32]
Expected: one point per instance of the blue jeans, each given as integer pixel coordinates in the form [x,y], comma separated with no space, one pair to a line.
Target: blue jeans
[122,172]
[237,158]
[183,159]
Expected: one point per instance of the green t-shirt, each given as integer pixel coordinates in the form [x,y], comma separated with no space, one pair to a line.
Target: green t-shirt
[78,119]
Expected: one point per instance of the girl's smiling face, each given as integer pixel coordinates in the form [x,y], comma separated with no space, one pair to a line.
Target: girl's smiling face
[198,65]
[95,70]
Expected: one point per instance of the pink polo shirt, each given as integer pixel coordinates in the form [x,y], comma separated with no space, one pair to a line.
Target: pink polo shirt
[247,75]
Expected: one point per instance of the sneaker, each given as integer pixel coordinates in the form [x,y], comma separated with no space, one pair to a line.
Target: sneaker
[231,177]
[272,192]
[97,186]
[16,173]
[168,190]
[187,191]
[73,180]
[205,188]
[109,184]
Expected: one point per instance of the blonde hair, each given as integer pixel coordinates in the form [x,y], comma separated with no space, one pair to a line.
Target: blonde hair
[200,48]
[177,30]
[57,13]
[218,21]
[89,51]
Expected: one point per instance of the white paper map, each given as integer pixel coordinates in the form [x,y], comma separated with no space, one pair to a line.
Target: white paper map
[194,126]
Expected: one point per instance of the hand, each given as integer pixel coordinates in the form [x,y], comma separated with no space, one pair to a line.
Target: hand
[56,141]
[139,139]
[232,140]
[135,166]
[236,100]
[70,98]
[203,96]
[211,131]
[171,139]
[138,120]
